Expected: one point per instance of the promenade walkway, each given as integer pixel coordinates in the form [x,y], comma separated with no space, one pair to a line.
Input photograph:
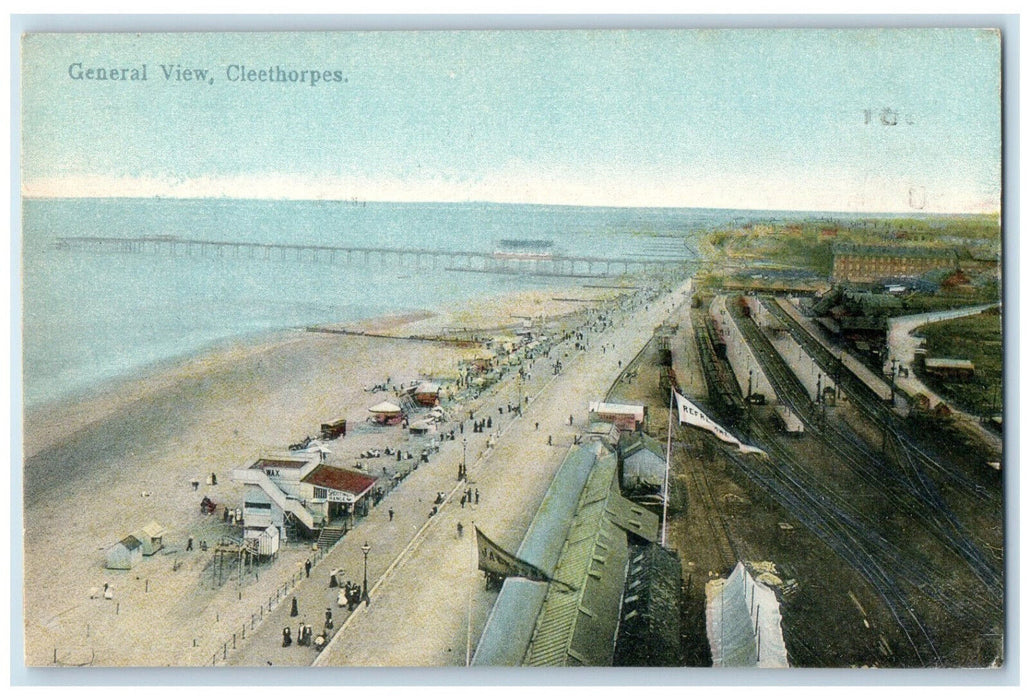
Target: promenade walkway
[421,573]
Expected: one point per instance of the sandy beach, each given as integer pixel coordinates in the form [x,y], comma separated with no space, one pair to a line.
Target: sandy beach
[97,469]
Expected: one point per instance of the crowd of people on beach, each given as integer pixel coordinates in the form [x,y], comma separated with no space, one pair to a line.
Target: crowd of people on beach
[418,451]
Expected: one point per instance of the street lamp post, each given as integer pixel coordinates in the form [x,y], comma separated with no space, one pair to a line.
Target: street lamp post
[365,549]
[464,459]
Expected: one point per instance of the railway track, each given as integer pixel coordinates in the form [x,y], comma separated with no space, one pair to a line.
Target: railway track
[832,517]
[916,495]
[728,404]
[912,461]
[848,539]
[826,514]
[867,400]
[713,516]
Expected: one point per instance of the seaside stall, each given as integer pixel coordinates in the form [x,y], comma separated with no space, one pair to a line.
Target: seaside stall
[300,492]
[623,416]
[337,492]
[428,393]
[125,554]
[422,427]
[386,413]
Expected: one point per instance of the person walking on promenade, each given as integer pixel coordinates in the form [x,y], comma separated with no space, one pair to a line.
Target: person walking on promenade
[548,439]
[189,543]
[293,607]
[477,497]
[570,420]
[307,569]
[462,501]
[460,529]
[391,514]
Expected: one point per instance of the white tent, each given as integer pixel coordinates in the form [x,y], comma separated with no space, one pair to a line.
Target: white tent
[743,622]
[385,407]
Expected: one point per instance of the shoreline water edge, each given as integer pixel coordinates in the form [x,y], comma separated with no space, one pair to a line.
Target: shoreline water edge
[100,466]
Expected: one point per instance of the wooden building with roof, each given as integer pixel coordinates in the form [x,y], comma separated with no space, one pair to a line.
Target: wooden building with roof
[125,553]
[299,493]
[151,537]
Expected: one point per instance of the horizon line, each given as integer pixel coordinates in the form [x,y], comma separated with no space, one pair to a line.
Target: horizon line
[357,201]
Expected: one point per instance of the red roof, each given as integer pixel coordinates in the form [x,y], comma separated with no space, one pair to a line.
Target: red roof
[337,479]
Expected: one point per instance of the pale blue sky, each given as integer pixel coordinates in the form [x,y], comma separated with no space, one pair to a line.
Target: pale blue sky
[737,118]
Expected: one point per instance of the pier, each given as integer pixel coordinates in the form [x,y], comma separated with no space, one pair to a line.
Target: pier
[556,265]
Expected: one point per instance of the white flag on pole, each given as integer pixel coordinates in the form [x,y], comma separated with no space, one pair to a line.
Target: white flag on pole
[692,415]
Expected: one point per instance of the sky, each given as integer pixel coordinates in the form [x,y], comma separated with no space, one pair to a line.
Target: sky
[894,120]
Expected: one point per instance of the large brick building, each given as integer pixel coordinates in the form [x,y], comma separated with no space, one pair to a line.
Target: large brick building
[858,263]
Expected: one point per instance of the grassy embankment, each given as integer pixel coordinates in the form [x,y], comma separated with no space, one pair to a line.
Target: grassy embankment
[795,249]
[977,339]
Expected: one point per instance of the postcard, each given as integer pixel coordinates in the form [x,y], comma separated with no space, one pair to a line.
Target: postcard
[567,348]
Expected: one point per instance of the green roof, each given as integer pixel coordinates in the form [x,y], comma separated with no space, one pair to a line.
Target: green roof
[580,616]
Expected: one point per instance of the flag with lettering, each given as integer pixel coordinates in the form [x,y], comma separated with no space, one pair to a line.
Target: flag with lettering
[692,415]
[497,561]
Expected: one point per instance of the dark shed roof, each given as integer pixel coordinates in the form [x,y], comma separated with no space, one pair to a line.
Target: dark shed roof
[649,629]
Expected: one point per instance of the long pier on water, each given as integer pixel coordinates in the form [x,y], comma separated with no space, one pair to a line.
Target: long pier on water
[409,258]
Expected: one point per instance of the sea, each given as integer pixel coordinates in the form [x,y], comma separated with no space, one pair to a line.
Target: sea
[90,318]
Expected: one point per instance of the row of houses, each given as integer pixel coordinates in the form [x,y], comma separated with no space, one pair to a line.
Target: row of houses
[873,263]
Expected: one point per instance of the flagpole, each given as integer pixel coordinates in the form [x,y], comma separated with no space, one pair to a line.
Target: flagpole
[472,584]
[668,450]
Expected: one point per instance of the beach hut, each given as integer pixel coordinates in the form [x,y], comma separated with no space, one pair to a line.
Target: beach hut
[268,541]
[428,393]
[150,538]
[125,554]
[386,413]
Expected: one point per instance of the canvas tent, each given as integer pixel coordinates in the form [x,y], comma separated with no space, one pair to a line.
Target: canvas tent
[743,621]
[387,413]
[125,554]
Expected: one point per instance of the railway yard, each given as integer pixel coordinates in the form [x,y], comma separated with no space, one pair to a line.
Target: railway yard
[883,528]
